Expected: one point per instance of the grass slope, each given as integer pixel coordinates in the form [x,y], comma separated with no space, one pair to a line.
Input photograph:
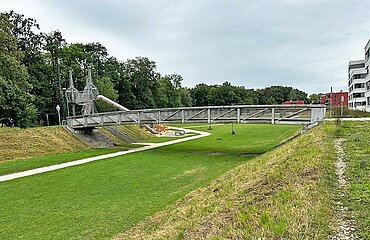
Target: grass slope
[135,132]
[100,199]
[357,149]
[283,194]
[31,142]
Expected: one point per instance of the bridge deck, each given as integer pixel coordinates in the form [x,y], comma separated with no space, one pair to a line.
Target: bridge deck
[300,114]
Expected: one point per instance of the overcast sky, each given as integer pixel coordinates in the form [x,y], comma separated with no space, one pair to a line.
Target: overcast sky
[300,43]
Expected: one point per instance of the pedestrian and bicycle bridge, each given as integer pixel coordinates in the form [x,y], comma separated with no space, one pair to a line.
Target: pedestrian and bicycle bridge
[275,114]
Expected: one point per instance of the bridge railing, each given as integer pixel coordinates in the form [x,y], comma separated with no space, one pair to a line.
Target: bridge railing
[301,114]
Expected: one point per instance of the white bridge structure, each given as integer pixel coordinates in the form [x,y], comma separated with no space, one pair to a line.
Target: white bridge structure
[275,114]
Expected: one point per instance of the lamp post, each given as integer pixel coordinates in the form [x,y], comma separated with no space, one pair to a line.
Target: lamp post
[58,110]
[341,108]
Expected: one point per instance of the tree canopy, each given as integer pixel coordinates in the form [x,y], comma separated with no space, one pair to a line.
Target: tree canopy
[34,70]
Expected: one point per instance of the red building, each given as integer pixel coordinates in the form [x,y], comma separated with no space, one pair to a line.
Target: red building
[300,102]
[336,99]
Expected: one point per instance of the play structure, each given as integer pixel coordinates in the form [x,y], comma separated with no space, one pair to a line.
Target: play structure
[274,114]
[86,98]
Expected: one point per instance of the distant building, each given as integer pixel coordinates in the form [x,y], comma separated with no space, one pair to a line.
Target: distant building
[335,100]
[300,102]
[359,82]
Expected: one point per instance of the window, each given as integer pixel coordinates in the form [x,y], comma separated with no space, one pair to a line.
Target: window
[359,76]
[358,95]
[359,85]
[360,104]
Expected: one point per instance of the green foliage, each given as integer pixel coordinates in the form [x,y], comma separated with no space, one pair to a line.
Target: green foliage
[225,94]
[15,97]
[281,94]
[106,88]
[44,60]
[349,113]
[271,101]
[315,98]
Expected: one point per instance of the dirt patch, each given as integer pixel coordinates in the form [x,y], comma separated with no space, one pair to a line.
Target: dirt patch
[345,226]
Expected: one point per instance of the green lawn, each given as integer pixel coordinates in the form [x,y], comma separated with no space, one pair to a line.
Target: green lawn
[248,138]
[102,198]
[8,167]
[283,194]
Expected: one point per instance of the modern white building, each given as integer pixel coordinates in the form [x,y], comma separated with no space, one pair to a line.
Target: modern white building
[359,82]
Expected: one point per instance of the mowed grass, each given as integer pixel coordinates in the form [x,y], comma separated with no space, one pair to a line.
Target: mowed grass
[8,167]
[286,193]
[100,199]
[248,138]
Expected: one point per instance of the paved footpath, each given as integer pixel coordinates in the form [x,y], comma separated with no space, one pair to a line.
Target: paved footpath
[91,159]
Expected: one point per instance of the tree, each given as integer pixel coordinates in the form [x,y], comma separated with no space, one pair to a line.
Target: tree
[137,83]
[199,94]
[24,30]
[15,97]
[271,101]
[315,98]
[106,88]
[186,100]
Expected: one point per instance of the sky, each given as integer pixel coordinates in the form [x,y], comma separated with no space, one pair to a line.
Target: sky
[306,44]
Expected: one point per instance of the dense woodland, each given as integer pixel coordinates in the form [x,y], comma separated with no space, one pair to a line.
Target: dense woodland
[34,71]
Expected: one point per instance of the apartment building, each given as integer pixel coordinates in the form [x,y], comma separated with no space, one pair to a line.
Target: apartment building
[359,82]
[335,99]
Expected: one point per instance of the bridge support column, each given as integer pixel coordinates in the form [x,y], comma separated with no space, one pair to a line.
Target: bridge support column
[273,116]
[182,116]
[85,121]
[238,115]
[138,118]
[209,115]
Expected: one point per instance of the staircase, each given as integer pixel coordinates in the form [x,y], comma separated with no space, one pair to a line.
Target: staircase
[119,134]
[92,137]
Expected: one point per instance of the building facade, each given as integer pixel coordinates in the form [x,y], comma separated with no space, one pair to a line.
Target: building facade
[359,82]
[335,99]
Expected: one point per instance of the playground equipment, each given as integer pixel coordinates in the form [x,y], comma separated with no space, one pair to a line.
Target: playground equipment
[274,114]
[87,97]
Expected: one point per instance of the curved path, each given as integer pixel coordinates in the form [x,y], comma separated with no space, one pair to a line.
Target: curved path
[101,157]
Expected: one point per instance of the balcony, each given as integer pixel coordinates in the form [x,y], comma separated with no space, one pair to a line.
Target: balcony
[358,90]
[357,71]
